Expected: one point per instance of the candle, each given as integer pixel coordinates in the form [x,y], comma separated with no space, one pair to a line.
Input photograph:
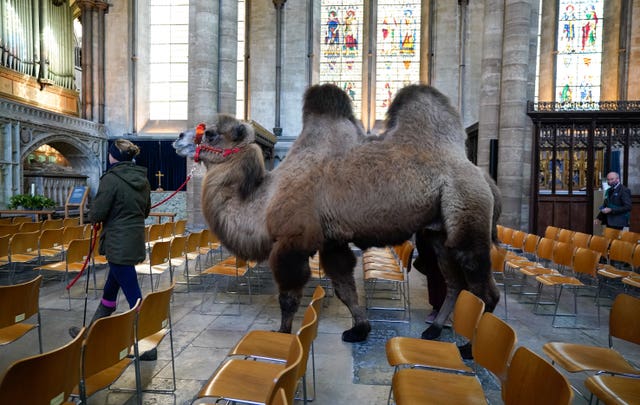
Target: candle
[33,189]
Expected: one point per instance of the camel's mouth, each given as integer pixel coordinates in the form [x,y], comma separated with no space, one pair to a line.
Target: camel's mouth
[184,145]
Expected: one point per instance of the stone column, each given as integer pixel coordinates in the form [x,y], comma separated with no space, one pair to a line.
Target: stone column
[515,130]
[546,82]
[203,87]
[228,63]
[610,50]
[633,78]
[489,112]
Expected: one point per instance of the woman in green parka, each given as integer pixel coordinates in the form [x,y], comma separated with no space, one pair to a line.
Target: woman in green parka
[122,203]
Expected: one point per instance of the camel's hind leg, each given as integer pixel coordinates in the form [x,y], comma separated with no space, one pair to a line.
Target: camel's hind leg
[338,262]
[290,269]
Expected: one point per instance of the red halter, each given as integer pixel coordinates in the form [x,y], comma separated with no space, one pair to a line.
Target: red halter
[198,141]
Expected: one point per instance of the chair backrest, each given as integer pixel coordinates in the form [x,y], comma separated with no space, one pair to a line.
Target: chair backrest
[71,222]
[4,245]
[562,254]
[530,243]
[498,255]
[77,251]
[50,238]
[507,235]
[611,233]
[30,226]
[107,345]
[600,244]
[585,261]
[551,232]
[581,239]
[565,235]
[635,258]
[499,231]
[531,380]
[20,220]
[624,322]
[46,378]
[517,241]
[9,229]
[167,229]
[628,236]
[316,299]
[621,251]
[177,247]
[156,231]
[19,301]
[159,253]
[155,313]
[24,243]
[180,227]
[73,232]
[287,379]
[307,333]
[52,224]
[405,255]
[493,344]
[5,221]
[544,250]
[193,242]
[467,313]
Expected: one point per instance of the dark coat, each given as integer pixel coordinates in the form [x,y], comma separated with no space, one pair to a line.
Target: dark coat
[122,203]
[619,200]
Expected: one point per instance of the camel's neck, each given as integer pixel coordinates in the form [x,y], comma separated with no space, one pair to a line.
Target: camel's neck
[234,200]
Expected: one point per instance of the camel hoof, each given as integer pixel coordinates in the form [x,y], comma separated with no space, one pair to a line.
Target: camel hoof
[432,332]
[358,333]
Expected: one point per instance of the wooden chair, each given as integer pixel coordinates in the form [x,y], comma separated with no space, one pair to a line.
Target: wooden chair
[628,236]
[414,352]
[5,221]
[176,254]
[156,232]
[632,280]
[232,269]
[73,262]
[611,233]
[531,380]
[551,232]
[23,248]
[517,240]
[192,253]
[47,378]
[584,264]
[507,237]
[273,346]
[209,243]
[600,244]
[624,324]
[157,262]
[22,219]
[255,382]
[105,353]
[30,227]
[492,350]
[395,274]
[180,227]
[20,302]
[581,239]
[50,244]
[9,229]
[498,256]
[4,249]
[72,233]
[70,222]
[52,224]
[614,389]
[565,235]
[619,265]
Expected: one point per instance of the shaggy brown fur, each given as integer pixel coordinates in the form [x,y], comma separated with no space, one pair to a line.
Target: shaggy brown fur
[335,188]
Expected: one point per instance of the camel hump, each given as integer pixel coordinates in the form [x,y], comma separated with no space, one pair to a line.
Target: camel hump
[327,99]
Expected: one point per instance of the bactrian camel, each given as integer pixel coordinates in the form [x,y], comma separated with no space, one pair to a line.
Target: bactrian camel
[337,186]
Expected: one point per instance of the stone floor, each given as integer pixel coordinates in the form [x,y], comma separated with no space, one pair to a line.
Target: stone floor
[346,373]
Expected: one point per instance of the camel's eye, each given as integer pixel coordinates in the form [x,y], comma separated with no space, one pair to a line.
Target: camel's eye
[212,136]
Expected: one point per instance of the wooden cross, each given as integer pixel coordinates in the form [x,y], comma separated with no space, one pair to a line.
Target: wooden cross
[159,175]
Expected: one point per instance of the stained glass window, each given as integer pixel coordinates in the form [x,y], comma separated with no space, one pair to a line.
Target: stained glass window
[168,64]
[397,51]
[341,47]
[578,64]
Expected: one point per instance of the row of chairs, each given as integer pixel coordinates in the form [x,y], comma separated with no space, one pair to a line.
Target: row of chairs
[92,361]
[265,367]
[386,280]
[26,224]
[434,372]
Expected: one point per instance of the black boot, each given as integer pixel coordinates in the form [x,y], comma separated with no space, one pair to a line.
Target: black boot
[102,312]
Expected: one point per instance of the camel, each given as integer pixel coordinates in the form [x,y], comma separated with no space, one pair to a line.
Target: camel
[337,186]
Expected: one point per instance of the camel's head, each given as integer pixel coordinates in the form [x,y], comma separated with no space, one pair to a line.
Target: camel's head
[215,142]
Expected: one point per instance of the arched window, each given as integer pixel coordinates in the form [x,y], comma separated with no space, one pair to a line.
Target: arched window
[395,55]
[168,59]
[579,57]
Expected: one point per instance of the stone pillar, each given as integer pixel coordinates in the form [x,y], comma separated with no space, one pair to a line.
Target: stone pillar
[610,29]
[228,64]
[515,131]
[547,74]
[203,87]
[489,113]
[632,78]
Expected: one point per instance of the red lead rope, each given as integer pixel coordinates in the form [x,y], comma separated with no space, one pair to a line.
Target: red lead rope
[94,233]
[172,194]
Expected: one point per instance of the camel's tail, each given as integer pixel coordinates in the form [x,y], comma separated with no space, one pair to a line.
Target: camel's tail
[328,99]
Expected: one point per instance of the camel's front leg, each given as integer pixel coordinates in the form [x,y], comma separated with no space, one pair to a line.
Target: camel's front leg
[338,262]
[291,271]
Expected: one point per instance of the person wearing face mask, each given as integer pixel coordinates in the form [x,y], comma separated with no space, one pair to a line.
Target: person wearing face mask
[121,205]
[616,210]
